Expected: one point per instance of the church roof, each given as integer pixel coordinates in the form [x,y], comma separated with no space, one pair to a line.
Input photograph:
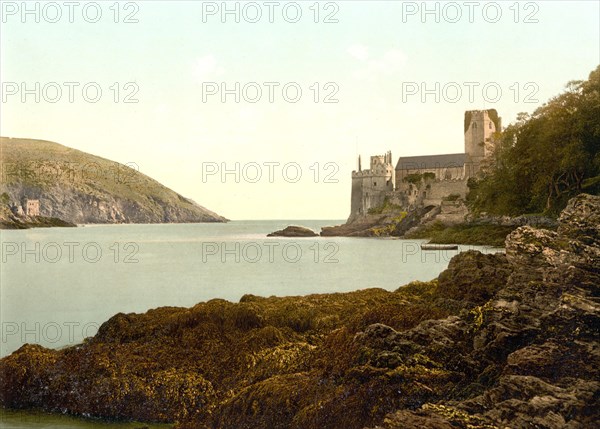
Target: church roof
[427,162]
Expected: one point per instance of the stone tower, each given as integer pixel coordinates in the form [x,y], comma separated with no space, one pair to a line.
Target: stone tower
[32,207]
[369,186]
[480,126]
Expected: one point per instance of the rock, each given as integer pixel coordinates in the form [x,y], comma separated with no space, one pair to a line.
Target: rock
[26,222]
[473,277]
[393,223]
[532,351]
[534,221]
[294,231]
[361,227]
[497,341]
[580,219]
[434,417]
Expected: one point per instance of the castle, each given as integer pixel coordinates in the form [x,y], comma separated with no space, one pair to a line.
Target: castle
[27,208]
[421,181]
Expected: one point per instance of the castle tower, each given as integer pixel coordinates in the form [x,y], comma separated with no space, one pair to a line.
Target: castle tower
[369,186]
[479,127]
[382,172]
[32,207]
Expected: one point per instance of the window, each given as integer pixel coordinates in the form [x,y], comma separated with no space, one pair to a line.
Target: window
[374,183]
[474,125]
[490,125]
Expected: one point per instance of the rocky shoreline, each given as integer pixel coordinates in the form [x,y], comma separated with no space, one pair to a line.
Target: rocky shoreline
[9,220]
[389,223]
[38,222]
[497,341]
[450,223]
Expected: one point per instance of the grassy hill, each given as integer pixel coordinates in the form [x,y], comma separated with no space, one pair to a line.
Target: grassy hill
[82,188]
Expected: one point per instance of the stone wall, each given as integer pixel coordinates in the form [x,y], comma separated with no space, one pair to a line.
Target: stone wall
[430,192]
[448,172]
[439,190]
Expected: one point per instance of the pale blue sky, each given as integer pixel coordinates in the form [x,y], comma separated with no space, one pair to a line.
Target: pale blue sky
[369,54]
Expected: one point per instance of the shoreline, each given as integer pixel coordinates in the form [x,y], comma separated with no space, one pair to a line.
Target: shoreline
[475,332]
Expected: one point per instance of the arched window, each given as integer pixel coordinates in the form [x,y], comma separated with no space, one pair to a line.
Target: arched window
[474,125]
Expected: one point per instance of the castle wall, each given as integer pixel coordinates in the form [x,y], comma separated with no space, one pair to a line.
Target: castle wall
[356,198]
[430,192]
[440,190]
[449,172]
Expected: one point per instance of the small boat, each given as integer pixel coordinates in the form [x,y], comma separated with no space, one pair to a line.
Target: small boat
[428,246]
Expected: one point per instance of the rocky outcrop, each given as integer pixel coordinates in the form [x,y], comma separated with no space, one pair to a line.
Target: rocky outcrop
[80,188]
[360,227]
[294,231]
[447,223]
[532,356]
[9,220]
[391,223]
[497,341]
[536,221]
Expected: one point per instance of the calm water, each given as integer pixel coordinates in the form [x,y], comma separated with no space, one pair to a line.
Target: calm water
[58,285]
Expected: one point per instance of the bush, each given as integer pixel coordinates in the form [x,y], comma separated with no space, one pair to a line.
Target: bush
[452,197]
[414,178]
[385,207]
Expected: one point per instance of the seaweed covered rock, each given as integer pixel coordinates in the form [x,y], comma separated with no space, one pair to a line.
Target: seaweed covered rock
[218,363]
[496,341]
[473,277]
[531,354]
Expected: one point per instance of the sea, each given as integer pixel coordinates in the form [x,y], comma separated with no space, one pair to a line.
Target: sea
[58,285]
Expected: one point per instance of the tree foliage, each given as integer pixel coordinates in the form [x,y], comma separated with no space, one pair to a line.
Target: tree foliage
[545,158]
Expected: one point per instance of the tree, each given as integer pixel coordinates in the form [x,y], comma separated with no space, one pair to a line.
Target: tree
[544,159]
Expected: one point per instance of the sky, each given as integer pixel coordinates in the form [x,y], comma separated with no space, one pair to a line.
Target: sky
[259,110]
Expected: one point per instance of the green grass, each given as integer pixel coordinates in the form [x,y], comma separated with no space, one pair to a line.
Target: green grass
[491,235]
[387,207]
[42,165]
[45,164]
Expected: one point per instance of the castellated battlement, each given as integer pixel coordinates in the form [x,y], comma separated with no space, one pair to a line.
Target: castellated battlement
[417,181]
[364,173]
[370,186]
[27,207]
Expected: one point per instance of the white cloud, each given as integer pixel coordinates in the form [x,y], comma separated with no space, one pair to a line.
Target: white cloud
[206,66]
[360,52]
[390,62]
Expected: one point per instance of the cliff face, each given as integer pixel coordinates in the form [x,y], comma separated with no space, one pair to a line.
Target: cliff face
[496,341]
[81,188]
